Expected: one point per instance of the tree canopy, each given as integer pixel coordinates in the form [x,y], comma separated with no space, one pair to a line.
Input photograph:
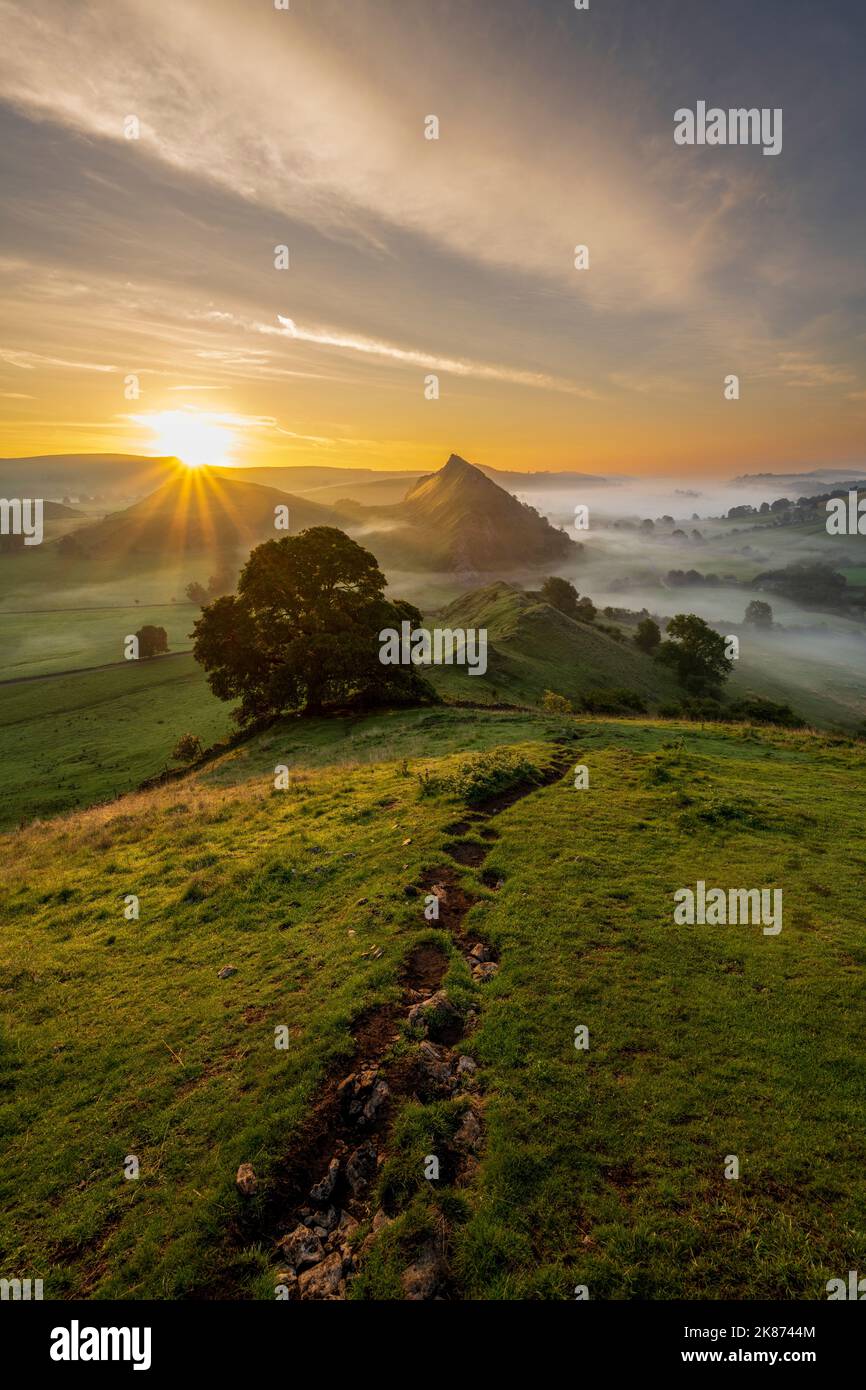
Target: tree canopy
[697,654]
[302,632]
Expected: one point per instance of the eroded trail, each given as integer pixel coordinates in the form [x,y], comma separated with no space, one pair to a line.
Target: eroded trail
[325,1190]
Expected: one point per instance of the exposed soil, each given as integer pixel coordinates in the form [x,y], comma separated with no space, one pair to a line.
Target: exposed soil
[323,1187]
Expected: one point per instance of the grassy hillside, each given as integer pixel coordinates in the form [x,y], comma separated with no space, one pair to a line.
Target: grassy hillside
[602,1167]
[533,648]
[71,740]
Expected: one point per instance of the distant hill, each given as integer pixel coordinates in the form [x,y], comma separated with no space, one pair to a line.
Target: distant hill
[793,483]
[106,477]
[459,520]
[546,481]
[200,511]
[113,478]
[533,647]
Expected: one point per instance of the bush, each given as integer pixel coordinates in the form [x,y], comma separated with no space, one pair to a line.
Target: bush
[614,701]
[187,748]
[481,776]
[552,703]
[152,641]
[757,710]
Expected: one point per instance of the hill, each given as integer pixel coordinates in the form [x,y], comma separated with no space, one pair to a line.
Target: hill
[108,477]
[299,914]
[532,647]
[199,510]
[458,519]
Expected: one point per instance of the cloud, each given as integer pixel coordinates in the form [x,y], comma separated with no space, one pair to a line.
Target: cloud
[333,338]
[29,361]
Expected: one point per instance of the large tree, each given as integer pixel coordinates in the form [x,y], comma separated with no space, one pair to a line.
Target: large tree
[561,594]
[303,629]
[697,654]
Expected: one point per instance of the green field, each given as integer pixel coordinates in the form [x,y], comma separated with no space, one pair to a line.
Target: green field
[602,1167]
[72,740]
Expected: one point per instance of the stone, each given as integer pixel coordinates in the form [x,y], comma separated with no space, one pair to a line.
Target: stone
[246,1180]
[422,1278]
[381,1220]
[289,1282]
[301,1248]
[321,1191]
[480,952]
[226,971]
[320,1220]
[361,1167]
[325,1281]
[347,1225]
[466,1067]
[485,971]
[468,1135]
[362,1094]
[435,1016]
[434,1067]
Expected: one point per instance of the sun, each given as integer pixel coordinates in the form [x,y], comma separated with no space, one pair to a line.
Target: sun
[194,437]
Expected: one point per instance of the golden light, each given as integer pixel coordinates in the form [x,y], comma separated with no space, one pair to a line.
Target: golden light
[194,437]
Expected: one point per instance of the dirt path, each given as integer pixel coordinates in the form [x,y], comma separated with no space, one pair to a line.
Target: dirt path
[324,1191]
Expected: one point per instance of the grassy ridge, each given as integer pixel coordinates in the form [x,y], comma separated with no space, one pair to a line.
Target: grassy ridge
[606,1167]
[602,1167]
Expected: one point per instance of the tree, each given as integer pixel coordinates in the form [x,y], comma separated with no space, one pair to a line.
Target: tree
[697,654]
[759,613]
[648,635]
[219,584]
[152,641]
[303,630]
[197,593]
[187,748]
[560,594]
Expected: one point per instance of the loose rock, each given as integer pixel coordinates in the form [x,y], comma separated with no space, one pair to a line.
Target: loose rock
[325,1281]
[301,1248]
[361,1167]
[421,1280]
[246,1180]
[321,1191]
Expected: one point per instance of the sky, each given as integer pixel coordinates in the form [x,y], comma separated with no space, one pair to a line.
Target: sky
[154,257]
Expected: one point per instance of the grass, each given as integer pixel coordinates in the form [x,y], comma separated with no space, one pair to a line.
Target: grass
[602,1167]
[74,739]
[606,1167]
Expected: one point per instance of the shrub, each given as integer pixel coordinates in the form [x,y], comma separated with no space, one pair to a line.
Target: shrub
[152,641]
[481,776]
[552,703]
[757,710]
[614,701]
[187,748]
